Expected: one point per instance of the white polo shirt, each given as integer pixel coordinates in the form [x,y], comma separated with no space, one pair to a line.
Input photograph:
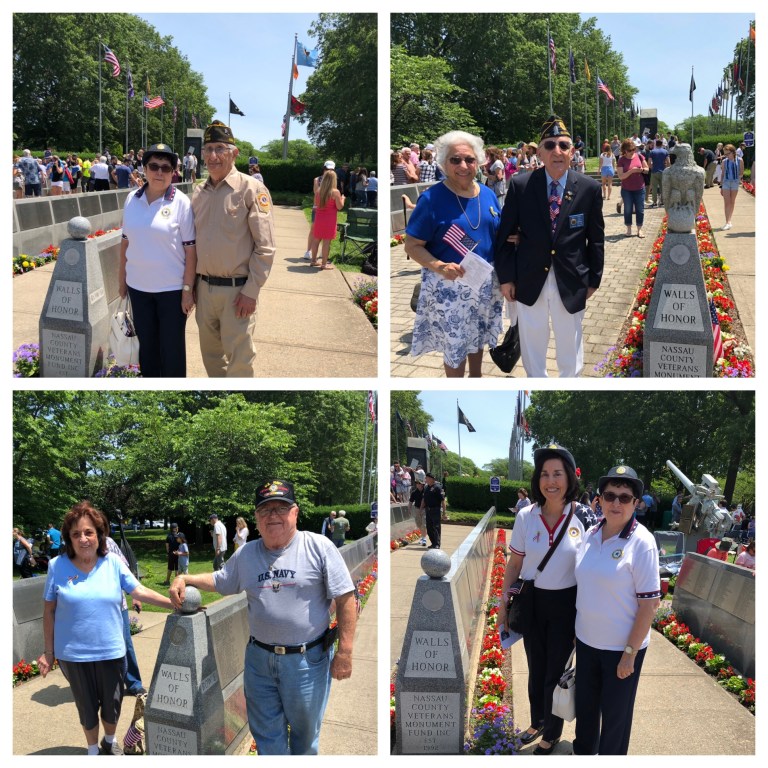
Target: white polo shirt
[157,233]
[612,576]
[531,539]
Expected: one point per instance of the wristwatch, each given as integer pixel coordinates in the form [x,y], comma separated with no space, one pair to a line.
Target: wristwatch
[186,288]
[629,650]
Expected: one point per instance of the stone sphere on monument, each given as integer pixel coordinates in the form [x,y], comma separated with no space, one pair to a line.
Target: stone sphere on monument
[192,600]
[435,563]
[79,227]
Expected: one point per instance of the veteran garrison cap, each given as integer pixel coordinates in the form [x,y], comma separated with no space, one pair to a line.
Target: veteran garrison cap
[161,149]
[551,451]
[218,131]
[554,128]
[624,474]
[275,490]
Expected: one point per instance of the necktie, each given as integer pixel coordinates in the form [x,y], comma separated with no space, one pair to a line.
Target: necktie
[554,204]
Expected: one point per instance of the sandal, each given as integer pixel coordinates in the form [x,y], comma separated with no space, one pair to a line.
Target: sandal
[327,266]
[640,233]
[313,263]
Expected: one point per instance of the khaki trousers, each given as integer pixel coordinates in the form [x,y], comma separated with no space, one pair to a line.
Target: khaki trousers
[226,342]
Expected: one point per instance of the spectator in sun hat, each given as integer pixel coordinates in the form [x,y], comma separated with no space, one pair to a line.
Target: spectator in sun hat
[235,251]
[617,575]
[291,578]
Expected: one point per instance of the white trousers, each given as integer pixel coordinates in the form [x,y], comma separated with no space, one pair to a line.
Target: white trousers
[534,333]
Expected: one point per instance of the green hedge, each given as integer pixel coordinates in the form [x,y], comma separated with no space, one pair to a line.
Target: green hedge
[359,516]
[710,142]
[473,494]
[287,175]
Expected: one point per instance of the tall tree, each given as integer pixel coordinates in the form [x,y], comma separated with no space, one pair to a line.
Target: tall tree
[341,93]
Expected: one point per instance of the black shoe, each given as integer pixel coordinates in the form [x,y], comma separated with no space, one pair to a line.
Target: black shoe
[546,750]
[527,738]
[136,691]
[111,749]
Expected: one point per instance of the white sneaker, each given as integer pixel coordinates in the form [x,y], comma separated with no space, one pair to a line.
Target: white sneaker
[727,226]
[308,256]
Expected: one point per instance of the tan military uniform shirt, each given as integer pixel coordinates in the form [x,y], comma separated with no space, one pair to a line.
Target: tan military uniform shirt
[235,230]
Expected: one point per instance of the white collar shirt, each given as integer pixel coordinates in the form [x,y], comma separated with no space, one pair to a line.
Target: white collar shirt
[612,575]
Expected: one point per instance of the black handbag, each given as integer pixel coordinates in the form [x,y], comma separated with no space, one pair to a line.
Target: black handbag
[520,605]
[506,354]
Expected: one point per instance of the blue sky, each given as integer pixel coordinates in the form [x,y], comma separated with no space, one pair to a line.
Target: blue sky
[659,50]
[490,413]
[250,59]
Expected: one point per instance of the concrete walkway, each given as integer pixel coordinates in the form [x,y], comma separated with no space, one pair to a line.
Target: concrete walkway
[45,718]
[674,693]
[307,325]
[609,307]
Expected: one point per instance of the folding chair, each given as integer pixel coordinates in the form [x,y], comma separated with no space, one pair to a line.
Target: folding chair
[359,231]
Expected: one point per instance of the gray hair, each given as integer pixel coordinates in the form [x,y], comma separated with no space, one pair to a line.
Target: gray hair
[342,513]
[26,153]
[447,141]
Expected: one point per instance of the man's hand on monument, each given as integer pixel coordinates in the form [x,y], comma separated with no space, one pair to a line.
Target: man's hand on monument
[341,666]
[176,592]
[244,306]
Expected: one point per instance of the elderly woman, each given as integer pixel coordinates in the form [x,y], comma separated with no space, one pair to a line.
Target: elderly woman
[549,524]
[157,265]
[83,624]
[452,220]
[617,574]
[632,168]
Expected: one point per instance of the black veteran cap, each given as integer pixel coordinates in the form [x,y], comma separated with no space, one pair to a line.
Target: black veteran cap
[217,131]
[624,474]
[554,128]
[280,490]
[551,451]
[161,149]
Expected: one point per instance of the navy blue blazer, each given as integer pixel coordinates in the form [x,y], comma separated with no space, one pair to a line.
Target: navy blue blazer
[577,247]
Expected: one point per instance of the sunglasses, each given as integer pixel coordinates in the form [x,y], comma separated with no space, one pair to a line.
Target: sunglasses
[549,145]
[624,498]
[158,167]
[283,509]
[469,160]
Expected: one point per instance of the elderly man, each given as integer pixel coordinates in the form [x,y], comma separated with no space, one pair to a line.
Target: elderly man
[550,251]
[219,534]
[235,250]
[291,579]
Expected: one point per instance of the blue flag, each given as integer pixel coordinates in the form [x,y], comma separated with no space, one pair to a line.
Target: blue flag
[305,57]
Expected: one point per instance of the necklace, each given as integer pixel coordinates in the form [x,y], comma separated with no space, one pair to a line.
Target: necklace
[464,211]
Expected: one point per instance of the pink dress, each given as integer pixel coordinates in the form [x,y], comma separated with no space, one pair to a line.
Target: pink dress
[325,220]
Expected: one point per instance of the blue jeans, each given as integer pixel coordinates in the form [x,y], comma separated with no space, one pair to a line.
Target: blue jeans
[634,198]
[282,691]
[133,674]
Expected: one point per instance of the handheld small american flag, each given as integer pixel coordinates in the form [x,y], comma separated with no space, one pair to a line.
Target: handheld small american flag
[717,348]
[153,103]
[601,86]
[459,240]
[110,58]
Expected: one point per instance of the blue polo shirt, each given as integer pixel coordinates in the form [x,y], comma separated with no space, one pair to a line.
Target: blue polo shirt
[55,537]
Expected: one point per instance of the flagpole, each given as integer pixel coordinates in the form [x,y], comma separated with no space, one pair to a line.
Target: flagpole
[746,82]
[586,111]
[458,430]
[290,93]
[101,143]
[162,116]
[549,69]
[372,470]
[693,80]
[365,450]
[125,148]
[229,111]
[597,111]
[570,87]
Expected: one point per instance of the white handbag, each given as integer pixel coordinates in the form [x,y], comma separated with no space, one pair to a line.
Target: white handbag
[123,341]
[564,697]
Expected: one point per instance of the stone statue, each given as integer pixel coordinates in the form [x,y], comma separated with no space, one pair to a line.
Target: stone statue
[682,185]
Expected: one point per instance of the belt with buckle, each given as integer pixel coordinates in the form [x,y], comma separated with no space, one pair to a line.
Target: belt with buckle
[230,281]
[282,650]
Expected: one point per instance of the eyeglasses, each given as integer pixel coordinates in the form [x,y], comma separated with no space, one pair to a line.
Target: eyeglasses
[158,167]
[283,509]
[459,160]
[549,145]
[222,150]
[624,498]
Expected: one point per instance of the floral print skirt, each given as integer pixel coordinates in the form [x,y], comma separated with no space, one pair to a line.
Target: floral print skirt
[454,319]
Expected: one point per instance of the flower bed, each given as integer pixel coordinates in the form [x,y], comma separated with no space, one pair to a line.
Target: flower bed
[366,296]
[396,240]
[736,362]
[704,655]
[410,538]
[26,364]
[26,670]
[750,188]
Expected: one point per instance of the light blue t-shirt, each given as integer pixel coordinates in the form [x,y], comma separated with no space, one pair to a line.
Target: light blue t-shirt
[89,622]
[55,535]
[183,551]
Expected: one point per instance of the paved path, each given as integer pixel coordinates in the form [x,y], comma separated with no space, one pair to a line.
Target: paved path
[608,308]
[680,709]
[45,719]
[307,325]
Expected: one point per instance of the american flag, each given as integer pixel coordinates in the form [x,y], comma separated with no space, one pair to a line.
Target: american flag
[459,240]
[372,406]
[112,59]
[153,103]
[552,56]
[717,349]
[440,444]
[601,86]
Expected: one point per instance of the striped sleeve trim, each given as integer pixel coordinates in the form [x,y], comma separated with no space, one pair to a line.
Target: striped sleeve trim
[517,551]
[188,242]
[648,595]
